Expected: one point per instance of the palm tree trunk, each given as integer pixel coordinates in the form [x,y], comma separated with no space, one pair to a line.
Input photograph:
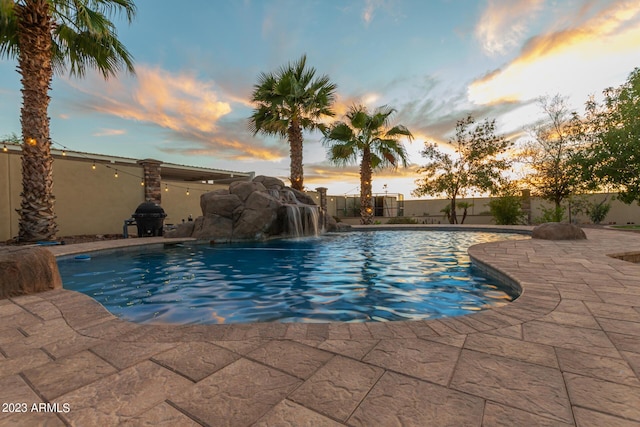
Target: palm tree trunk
[37,218]
[366,172]
[295,144]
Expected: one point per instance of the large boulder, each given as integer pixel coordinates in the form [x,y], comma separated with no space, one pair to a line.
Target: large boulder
[182,230]
[27,270]
[269,182]
[244,189]
[213,227]
[205,199]
[558,231]
[222,205]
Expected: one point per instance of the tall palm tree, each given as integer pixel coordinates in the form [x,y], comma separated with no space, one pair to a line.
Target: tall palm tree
[47,36]
[368,137]
[289,102]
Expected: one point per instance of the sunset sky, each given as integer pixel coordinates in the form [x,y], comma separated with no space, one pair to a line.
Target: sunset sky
[434,61]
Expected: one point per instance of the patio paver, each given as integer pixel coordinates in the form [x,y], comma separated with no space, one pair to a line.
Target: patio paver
[566,353]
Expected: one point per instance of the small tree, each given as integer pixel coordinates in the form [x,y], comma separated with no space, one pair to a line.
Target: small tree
[552,154]
[476,165]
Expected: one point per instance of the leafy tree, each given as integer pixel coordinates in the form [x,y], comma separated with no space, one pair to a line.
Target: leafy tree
[367,138]
[552,154]
[476,165]
[47,36]
[288,102]
[613,156]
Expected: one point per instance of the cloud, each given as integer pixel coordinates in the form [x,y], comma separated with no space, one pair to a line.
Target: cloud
[232,141]
[567,60]
[371,6]
[503,25]
[109,132]
[192,111]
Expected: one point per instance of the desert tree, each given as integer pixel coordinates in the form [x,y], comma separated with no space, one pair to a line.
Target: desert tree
[477,163]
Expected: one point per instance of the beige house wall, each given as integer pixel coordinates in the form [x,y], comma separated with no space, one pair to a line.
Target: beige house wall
[92,201]
[10,188]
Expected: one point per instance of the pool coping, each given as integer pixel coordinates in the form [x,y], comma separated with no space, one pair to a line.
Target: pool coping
[567,351]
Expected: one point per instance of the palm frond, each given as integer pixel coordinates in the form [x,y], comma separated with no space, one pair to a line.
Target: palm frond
[8,30]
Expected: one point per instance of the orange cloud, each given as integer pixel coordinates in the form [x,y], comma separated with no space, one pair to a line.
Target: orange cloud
[189,107]
[175,102]
[567,60]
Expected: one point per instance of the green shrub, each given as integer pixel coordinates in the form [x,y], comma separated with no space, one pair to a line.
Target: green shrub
[507,210]
[551,215]
[598,211]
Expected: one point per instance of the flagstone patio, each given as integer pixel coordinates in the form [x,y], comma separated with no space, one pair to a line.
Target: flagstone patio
[567,352]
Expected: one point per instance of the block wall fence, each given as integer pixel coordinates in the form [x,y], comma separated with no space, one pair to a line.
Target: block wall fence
[93,201]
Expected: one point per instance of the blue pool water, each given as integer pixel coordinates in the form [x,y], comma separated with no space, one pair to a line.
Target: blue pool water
[360,276]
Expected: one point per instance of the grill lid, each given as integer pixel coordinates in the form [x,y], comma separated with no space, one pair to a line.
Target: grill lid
[149,210]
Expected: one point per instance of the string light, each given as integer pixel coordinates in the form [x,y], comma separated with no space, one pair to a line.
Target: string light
[32,141]
[4,148]
[64,153]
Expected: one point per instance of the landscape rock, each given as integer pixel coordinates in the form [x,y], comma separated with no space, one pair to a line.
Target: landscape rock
[558,231]
[27,270]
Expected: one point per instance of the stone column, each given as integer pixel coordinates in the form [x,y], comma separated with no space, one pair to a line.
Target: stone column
[322,192]
[152,188]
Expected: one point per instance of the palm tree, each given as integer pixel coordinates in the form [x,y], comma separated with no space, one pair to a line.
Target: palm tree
[367,137]
[289,102]
[47,36]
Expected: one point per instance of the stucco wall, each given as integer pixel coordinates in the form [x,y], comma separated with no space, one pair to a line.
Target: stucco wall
[93,201]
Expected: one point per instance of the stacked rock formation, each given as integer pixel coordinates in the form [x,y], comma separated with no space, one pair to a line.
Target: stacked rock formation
[247,210]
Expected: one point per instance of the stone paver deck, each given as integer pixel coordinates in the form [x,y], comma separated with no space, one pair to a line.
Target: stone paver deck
[567,352]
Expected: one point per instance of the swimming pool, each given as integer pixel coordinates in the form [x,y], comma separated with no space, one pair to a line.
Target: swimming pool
[356,277]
